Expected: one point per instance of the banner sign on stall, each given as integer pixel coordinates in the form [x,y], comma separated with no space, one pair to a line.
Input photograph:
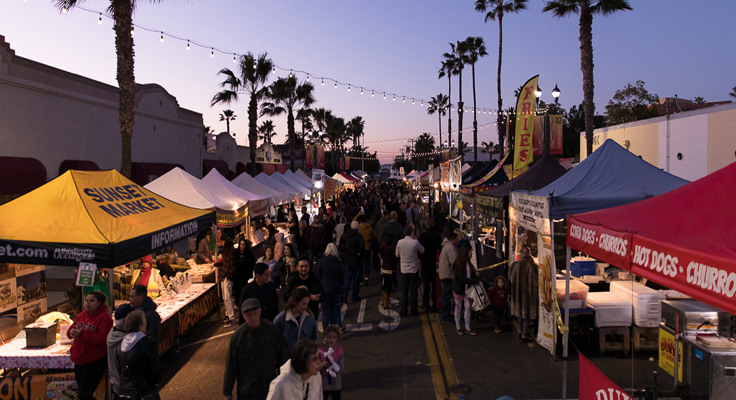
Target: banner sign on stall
[667,354]
[594,385]
[490,206]
[44,386]
[258,207]
[531,212]
[608,245]
[525,108]
[546,279]
[86,274]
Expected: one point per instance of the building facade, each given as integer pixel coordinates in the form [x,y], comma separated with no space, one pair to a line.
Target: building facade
[688,144]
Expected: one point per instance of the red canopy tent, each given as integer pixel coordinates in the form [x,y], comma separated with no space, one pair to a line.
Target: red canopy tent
[684,239]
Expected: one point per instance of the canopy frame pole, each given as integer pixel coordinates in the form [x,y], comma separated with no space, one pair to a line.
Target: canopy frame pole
[565,335]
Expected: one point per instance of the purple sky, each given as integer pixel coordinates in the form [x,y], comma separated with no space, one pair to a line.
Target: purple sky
[392,46]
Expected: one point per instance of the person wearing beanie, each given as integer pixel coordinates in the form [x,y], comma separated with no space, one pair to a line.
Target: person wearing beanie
[114,338]
[149,277]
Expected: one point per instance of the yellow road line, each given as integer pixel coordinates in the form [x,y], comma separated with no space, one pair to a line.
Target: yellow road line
[440,363]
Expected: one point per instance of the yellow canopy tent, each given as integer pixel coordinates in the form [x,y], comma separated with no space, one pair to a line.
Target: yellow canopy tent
[99,217]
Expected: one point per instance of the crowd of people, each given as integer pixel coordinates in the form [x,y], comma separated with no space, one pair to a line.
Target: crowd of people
[275,300]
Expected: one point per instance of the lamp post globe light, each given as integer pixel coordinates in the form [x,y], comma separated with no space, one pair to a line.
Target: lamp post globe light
[556,94]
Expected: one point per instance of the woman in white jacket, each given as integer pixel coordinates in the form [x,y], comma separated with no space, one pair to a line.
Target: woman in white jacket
[299,377]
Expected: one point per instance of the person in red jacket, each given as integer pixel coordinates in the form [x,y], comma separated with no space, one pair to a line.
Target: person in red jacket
[89,351]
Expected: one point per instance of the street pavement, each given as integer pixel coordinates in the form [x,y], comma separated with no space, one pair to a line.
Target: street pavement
[417,358]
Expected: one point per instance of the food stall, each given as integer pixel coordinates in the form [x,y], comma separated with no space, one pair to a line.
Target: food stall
[94,218]
[688,249]
[609,177]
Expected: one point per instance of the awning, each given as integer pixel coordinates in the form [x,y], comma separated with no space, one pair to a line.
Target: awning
[20,175]
[99,217]
[257,204]
[271,182]
[245,181]
[179,186]
[683,239]
[79,165]
[303,176]
[143,173]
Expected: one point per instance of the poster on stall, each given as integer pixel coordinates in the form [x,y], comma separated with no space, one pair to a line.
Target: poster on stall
[538,136]
[456,175]
[32,310]
[555,134]
[667,354]
[8,294]
[44,386]
[30,287]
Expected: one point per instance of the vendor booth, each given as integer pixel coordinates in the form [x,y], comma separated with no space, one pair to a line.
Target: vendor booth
[276,184]
[684,240]
[91,220]
[257,204]
[304,190]
[247,182]
[492,209]
[609,177]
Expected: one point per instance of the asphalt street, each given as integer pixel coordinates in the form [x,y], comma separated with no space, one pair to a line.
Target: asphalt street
[417,358]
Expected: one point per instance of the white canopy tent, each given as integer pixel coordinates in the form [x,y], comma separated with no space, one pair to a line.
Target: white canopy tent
[245,181]
[342,179]
[258,204]
[300,174]
[274,183]
[303,192]
[296,183]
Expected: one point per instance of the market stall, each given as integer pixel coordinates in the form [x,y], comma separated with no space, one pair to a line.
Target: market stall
[304,192]
[98,219]
[492,207]
[281,187]
[609,177]
[258,204]
[345,182]
[684,240]
[247,182]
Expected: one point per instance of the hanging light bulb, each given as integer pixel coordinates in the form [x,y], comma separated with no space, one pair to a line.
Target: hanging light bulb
[323,82]
[273,71]
[361,90]
[394,97]
[373,94]
[422,103]
[348,88]
[235,61]
[335,85]
[162,37]
[403,100]
[63,10]
[212,54]
[384,96]
[99,21]
[132,30]
[188,45]
[307,77]
[412,101]
[291,75]
[254,65]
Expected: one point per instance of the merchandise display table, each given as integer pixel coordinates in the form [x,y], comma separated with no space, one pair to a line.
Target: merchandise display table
[178,315]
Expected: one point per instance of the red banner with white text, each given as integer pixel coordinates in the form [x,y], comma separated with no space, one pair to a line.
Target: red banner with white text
[594,385]
[599,242]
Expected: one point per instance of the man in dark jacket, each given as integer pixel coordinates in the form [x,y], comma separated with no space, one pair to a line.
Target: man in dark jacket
[263,290]
[329,225]
[305,277]
[139,300]
[431,240]
[255,354]
[353,246]
[393,228]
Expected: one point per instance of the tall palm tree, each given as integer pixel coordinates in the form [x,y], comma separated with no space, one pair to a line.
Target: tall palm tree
[438,105]
[449,68]
[335,133]
[355,128]
[488,148]
[304,115]
[475,50]
[122,14]
[586,9]
[424,146]
[495,10]
[285,94]
[266,131]
[461,50]
[227,116]
[251,80]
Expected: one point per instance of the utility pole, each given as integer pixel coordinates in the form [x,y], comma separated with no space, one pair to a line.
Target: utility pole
[411,143]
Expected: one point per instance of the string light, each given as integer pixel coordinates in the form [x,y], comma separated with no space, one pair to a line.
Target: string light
[412,101]
[212,55]
[291,75]
[361,90]
[403,100]
[323,82]
[384,96]
[65,10]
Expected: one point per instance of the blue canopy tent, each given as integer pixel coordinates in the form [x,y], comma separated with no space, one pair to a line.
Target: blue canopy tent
[610,177]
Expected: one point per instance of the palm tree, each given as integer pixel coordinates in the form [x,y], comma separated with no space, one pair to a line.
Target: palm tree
[304,115]
[475,50]
[253,74]
[460,50]
[286,94]
[488,147]
[495,10]
[122,14]
[439,104]
[355,128]
[335,133]
[424,145]
[266,131]
[227,116]
[698,100]
[449,68]
[586,9]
